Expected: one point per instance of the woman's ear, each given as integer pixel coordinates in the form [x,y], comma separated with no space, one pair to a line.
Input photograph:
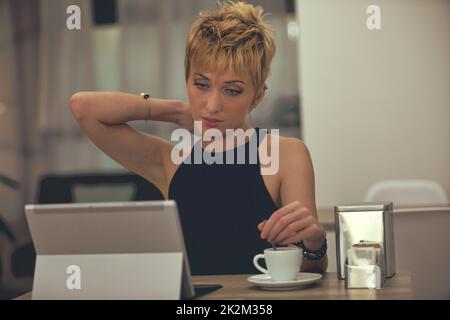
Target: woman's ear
[258,97]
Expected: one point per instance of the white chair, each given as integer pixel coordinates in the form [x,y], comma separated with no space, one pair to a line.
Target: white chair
[408,192]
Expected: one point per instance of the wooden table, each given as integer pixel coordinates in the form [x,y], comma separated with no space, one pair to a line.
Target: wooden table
[329,287]
[237,287]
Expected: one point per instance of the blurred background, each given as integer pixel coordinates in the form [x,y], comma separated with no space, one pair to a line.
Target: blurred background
[372,105]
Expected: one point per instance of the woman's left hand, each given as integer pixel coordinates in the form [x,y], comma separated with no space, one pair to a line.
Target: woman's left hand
[292,223]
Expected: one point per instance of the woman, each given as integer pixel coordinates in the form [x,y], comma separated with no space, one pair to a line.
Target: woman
[228,213]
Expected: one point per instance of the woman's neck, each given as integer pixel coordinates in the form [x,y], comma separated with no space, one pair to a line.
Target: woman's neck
[228,139]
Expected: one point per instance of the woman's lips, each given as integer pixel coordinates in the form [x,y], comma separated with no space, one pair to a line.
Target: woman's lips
[211,122]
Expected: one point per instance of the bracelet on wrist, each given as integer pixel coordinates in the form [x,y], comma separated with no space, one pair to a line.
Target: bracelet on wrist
[314,255]
[146,96]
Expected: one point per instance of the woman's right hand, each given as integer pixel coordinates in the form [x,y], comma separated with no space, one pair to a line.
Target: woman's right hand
[185,119]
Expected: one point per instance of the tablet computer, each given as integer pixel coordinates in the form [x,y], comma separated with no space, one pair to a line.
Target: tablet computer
[110,250]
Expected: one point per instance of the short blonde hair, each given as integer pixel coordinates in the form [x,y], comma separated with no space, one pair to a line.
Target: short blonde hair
[235,38]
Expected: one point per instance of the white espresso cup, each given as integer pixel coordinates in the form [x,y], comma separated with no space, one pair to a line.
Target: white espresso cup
[283,264]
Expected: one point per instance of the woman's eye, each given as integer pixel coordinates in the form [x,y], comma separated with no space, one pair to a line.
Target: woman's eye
[233,92]
[201,85]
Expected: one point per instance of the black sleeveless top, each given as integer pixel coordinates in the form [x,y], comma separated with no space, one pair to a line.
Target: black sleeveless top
[220,206]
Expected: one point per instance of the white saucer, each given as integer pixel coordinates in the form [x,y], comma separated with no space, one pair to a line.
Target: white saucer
[264,281]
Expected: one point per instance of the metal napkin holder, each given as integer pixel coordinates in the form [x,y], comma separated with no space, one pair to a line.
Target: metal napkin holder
[368,222]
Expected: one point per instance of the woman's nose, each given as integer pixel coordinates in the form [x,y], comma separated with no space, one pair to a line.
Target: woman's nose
[214,104]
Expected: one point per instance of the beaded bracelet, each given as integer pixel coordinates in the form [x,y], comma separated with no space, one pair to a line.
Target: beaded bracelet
[314,255]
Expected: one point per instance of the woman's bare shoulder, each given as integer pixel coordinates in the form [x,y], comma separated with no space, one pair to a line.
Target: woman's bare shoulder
[293,153]
[292,145]
[288,146]
[287,151]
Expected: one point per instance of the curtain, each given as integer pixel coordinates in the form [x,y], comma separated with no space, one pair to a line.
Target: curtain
[42,64]
[19,26]
[65,66]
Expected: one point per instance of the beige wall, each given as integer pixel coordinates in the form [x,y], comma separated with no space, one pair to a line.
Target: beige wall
[375,104]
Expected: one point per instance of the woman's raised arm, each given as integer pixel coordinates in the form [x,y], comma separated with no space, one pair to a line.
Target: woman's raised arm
[103,116]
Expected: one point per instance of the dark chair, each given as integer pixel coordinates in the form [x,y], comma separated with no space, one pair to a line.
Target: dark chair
[62,189]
